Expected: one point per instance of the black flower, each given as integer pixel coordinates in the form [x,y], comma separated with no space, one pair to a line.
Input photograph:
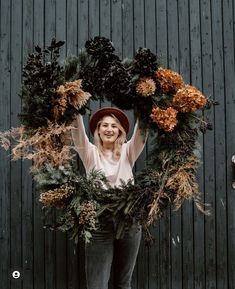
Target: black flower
[100,47]
[145,62]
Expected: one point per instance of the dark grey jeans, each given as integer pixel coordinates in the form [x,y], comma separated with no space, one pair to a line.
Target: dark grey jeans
[105,251]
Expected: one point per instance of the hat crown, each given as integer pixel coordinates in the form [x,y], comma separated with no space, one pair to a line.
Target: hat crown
[119,114]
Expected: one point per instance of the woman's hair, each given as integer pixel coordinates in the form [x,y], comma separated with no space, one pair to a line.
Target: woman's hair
[118,142]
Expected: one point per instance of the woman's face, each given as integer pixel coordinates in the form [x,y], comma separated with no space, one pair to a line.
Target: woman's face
[108,130]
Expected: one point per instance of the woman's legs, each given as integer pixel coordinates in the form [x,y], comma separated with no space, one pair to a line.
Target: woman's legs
[98,259]
[105,251]
[125,254]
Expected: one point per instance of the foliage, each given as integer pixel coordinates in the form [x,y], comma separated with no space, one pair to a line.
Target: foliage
[53,94]
[42,74]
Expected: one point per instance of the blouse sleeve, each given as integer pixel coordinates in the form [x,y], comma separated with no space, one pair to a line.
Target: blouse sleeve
[82,144]
[136,144]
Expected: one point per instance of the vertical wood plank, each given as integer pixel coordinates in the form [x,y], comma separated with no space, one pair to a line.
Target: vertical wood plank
[83,34]
[188,223]
[105,30]
[61,24]
[27,193]
[39,233]
[16,172]
[218,91]
[228,47]
[83,23]
[164,251]
[61,238]
[161,23]
[153,250]
[208,170]
[94,30]
[50,27]
[209,158]
[150,25]
[164,224]
[128,52]
[72,48]
[94,19]
[221,187]
[175,277]
[139,41]
[5,265]
[116,28]
[172,33]
[184,69]
[50,260]
[139,36]
[127,33]
[105,18]
[72,27]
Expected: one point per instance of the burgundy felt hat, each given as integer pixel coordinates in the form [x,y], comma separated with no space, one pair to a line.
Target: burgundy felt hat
[119,114]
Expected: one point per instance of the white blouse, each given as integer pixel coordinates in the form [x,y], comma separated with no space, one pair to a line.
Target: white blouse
[115,171]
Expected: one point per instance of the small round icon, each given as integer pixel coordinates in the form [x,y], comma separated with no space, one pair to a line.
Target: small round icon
[16,274]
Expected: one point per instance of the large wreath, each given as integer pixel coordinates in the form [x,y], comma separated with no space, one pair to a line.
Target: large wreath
[53,93]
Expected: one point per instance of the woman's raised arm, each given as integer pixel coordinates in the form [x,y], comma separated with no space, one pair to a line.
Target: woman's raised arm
[82,144]
[136,144]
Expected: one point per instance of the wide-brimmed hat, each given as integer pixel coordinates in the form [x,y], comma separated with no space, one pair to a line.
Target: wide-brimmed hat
[119,114]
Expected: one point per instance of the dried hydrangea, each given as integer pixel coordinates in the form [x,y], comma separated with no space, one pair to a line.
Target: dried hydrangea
[166,119]
[189,99]
[70,93]
[145,86]
[56,197]
[169,81]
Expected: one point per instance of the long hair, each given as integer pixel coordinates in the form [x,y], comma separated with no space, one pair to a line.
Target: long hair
[118,142]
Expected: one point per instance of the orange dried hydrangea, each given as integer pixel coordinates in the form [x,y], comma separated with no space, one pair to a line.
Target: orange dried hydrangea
[169,81]
[189,99]
[69,93]
[145,86]
[166,119]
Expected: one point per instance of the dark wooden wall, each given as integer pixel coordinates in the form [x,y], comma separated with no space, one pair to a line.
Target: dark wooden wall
[193,37]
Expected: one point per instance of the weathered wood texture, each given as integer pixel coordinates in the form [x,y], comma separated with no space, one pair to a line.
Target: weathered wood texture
[195,38]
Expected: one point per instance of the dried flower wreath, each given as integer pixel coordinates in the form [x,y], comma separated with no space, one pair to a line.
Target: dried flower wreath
[53,93]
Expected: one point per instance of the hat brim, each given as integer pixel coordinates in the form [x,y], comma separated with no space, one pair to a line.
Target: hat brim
[119,114]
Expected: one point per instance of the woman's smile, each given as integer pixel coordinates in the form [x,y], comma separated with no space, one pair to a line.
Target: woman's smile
[108,131]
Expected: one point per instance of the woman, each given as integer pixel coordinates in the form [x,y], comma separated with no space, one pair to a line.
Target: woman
[116,159]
